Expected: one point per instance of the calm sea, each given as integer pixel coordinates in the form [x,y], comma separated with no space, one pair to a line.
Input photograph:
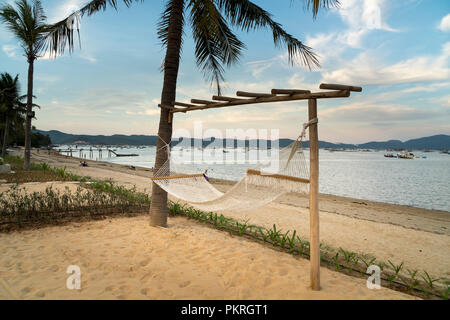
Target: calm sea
[420,182]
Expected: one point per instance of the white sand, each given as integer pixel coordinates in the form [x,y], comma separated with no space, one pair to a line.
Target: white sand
[417,249]
[125,258]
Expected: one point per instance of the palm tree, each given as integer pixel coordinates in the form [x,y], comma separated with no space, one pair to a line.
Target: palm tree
[216,46]
[28,24]
[11,106]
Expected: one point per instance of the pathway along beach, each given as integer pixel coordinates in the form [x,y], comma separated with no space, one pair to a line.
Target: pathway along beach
[125,258]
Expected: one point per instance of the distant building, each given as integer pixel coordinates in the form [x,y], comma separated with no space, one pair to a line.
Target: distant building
[80,142]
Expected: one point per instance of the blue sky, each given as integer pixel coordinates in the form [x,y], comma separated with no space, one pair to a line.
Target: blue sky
[399,51]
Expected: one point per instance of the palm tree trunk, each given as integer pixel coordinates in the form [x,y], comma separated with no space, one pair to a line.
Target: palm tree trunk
[158,208]
[29,114]
[5,137]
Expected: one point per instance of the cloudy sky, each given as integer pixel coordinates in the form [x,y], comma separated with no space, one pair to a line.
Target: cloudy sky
[399,51]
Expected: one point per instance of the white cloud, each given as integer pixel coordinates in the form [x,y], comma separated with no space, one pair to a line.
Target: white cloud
[364,112]
[88,57]
[63,10]
[429,88]
[298,82]
[445,23]
[10,50]
[257,67]
[48,56]
[47,78]
[327,46]
[366,14]
[361,17]
[367,69]
[443,101]
[95,102]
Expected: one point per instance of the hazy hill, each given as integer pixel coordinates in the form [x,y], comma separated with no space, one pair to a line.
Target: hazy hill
[437,142]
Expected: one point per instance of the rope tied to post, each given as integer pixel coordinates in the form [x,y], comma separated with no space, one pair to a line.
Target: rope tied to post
[298,143]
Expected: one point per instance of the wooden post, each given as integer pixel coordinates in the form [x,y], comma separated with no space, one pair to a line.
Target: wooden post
[314,197]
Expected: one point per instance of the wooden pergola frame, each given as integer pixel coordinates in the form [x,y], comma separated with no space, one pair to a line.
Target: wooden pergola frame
[280,95]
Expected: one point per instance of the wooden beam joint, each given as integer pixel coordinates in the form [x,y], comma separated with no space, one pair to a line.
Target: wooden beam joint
[330,86]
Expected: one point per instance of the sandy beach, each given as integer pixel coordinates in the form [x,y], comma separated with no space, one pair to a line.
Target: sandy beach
[125,258]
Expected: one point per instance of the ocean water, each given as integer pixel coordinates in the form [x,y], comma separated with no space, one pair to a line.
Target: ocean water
[420,182]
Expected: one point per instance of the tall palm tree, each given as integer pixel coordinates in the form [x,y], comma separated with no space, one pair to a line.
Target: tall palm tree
[11,106]
[28,24]
[216,46]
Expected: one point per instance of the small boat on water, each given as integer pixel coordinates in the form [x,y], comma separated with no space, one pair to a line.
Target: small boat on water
[405,155]
[389,155]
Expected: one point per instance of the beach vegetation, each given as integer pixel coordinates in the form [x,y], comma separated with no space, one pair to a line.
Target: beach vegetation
[428,279]
[39,172]
[22,209]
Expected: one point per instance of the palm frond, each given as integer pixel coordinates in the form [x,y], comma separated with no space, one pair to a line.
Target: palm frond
[316,5]
[215,44]
[13,22]
[27,23]
[61,34]
[10,99]
[163,28]
[248,16]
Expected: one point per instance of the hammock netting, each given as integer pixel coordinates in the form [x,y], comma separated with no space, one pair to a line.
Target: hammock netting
[262,184]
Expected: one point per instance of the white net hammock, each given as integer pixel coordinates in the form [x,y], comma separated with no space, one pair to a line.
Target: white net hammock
[259,186]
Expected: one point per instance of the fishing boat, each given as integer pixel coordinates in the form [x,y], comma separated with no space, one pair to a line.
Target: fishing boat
[389,155]
[405,155]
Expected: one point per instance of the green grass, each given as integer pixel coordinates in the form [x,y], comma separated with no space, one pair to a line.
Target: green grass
[39,172]
[15,162]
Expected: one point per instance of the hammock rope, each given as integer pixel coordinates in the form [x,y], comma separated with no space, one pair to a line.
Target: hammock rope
[258,187]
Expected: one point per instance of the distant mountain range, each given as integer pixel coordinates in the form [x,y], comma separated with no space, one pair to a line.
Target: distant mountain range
[437,142]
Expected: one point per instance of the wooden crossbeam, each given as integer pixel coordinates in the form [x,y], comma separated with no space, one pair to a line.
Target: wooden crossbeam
[276,95]
[253,94]
[339,87]
[198,101]
[182,104]
[271,98]
[278,176]
[289,91]
[223,98]
[181,176]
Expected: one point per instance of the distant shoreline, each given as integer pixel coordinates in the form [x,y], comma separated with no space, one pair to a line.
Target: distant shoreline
[435,142]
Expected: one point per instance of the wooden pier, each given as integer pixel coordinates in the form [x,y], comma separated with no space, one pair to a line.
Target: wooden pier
[83,152]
